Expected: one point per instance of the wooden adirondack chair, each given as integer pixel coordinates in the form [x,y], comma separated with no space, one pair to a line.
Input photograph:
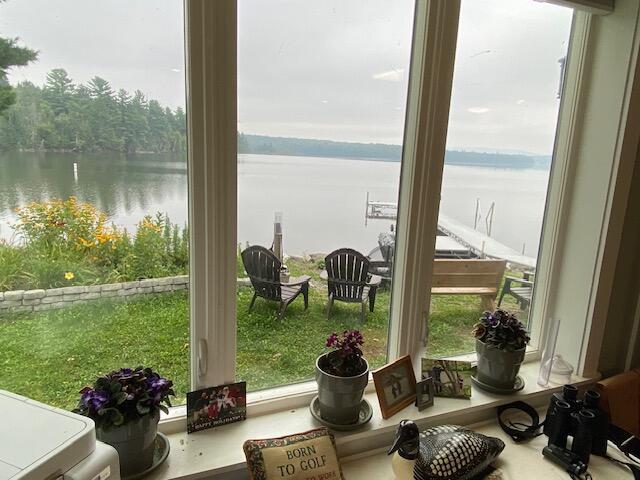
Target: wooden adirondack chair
[348,279]
[263,268]
[519,288]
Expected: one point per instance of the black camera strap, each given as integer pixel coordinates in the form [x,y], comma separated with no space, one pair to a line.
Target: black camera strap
[518,431]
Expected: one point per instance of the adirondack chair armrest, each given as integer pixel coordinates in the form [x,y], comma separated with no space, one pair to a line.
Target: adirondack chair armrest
[509,280]
[374,281]
[301,280]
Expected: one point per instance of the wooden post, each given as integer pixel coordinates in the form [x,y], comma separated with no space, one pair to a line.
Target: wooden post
[277,236]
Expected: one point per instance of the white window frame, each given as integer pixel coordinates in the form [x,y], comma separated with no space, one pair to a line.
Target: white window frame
[211,31]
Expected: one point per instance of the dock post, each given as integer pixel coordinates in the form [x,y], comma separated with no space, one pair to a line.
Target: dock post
[277,236]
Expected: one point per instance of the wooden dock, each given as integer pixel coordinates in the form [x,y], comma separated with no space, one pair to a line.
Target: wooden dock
[481,244]
[477,242]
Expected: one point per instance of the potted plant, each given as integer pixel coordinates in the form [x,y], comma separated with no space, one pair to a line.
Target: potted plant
[501,341]
[125,406]
[342,375]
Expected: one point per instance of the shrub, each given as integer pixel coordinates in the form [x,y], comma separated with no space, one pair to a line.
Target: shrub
[11,267]
[64,224]
[150,249]
[67,242]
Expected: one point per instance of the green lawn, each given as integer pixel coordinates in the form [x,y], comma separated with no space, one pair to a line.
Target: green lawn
[51,355]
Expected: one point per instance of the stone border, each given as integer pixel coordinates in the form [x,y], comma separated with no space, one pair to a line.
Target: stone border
[53,298]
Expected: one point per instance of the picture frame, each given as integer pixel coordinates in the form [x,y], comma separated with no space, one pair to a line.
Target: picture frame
[451,378]
[395,386]
[425,393]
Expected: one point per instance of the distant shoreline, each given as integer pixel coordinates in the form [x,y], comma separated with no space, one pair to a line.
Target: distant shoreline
[299,147]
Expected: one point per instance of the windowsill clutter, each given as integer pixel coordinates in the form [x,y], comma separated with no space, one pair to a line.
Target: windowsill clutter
[522,462]
[219,451]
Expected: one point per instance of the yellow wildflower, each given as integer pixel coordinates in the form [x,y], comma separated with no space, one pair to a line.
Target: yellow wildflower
[69,275]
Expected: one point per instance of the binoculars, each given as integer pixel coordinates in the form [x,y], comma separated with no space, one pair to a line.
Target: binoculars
[583,420]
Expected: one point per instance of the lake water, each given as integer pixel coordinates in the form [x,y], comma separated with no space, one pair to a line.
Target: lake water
[322,199]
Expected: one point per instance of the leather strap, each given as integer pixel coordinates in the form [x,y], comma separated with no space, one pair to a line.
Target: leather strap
[520,432]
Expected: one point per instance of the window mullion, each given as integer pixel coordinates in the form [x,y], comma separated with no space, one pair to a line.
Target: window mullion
[212,115]
[430,83]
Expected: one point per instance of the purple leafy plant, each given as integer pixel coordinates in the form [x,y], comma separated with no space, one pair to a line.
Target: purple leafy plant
[502,330]
[346,358]
[125,395]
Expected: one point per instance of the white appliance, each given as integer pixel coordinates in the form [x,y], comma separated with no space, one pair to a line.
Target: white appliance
[40,442]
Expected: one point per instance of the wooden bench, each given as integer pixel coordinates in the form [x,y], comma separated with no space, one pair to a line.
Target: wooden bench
[469,277]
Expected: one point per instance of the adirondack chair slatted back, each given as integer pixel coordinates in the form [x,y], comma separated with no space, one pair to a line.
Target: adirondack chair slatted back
[347,272]
[263,268]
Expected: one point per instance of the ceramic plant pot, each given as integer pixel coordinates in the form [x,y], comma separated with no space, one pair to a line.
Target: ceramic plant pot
[339,398]
[498,368]
[135,443]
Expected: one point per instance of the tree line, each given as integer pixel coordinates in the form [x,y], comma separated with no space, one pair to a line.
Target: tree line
[64,116]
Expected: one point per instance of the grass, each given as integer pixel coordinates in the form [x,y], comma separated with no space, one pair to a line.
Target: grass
[51,355]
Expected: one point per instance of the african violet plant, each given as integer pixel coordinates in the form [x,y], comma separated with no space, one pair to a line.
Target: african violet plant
[501,330]
[346,358]
[125,395]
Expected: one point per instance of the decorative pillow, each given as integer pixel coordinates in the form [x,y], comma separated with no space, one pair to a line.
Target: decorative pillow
[308,455]
[451,452]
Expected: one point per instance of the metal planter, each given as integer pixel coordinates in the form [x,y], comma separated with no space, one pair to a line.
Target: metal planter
[135,443]
[340,398]
[498,368]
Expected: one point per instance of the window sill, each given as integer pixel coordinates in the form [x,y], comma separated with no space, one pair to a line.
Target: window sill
[218,451]
[512,461]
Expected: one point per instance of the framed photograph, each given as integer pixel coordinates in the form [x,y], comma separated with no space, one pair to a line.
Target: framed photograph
[425,392]
[214,406]
[395,385]
[451,378]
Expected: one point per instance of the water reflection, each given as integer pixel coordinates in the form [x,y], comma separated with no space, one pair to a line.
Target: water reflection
[322,199]
[126,187]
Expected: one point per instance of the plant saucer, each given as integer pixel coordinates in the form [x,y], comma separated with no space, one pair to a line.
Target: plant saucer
[517,386]
[366,412]
[160,454]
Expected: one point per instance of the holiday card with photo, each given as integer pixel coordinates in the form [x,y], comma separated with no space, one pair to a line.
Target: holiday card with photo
[214,406]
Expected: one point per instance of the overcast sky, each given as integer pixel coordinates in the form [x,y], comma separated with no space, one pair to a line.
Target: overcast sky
[332,69]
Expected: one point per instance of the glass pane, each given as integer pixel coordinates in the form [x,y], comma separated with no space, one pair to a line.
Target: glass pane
[93,196]
[507,83]
[321,92]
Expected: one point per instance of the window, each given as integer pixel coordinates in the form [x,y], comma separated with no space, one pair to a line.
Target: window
[319,136]
[507,84]
[93,197]
[41,345]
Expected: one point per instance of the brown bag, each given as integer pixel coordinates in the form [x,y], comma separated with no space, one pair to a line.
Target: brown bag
[621,400]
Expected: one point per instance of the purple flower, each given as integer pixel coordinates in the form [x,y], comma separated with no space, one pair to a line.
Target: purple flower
[94,399]
[332,340]
[123,395]
[501,330]
[348,346]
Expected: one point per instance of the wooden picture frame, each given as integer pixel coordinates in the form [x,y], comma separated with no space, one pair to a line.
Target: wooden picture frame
[395,386]
[425,393]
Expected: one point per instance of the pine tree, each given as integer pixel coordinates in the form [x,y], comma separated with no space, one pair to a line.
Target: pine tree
[89,118]
[103,116]
[125,128]
[11,55]
[58,91]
